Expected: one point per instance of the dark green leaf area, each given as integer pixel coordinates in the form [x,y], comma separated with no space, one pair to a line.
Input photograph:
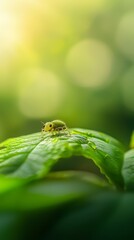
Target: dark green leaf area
[128,170]
[57,188]
[66,205]
[33,155]
[30,211]
[106,215]
[67,210]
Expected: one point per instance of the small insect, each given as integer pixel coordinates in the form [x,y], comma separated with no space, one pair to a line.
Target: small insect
[55,126]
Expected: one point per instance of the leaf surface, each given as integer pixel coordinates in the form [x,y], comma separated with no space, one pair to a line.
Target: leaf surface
[32,156]
[128,170]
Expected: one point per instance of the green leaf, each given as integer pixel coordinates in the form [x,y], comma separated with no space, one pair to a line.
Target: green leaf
[64,205]
[33,156]
[105,215]
[35,204]
[39,204]
[56,189]
[9,226]
[8,184]
[132,141]
[128,170]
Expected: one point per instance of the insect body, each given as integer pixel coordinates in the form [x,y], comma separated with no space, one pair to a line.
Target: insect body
[54,126]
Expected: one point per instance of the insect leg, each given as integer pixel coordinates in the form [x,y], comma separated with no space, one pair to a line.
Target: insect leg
[42,132]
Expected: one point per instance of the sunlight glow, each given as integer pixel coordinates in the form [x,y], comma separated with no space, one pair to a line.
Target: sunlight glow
[9,31]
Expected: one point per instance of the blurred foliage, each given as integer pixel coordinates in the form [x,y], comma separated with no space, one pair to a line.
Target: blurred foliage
[68,60]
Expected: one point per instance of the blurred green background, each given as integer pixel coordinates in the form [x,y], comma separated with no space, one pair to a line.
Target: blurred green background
[68,60]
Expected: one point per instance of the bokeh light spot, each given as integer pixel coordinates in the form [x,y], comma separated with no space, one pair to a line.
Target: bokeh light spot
[40,94]
[128,89]
[90,63]
[125,35]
